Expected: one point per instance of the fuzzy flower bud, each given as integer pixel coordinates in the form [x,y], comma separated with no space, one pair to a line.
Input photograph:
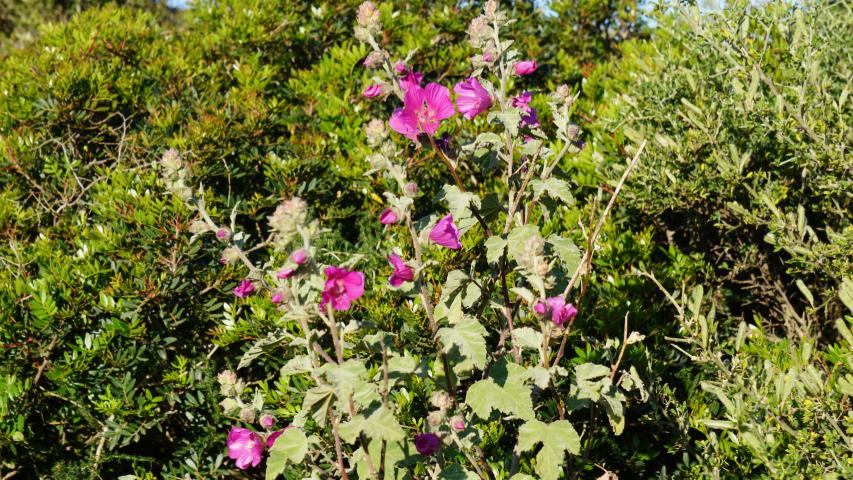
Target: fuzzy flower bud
[277,298]
[247,414]
[434,418]
[441,400]
[479,31]
[457,423]
[388,217]
[374,59]
[376,132]
[226,377]
[561,94]
[223,234]
[299,256]
[267,421]
[175,174]
[400,67]
[230,255]
[410,189]
[229,406]
[287,218]
[573,132]
[368,15]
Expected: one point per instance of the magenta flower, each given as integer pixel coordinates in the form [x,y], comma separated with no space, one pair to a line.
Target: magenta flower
[411,79]
[388,217]
[560,310]
[372,91]
[472,99]
[245,289]
[427,444]
[267,420]
[541,308]
[445,233]
[531,119]
[299,256]
[223,234]
[422,112]
[245,447]
[525,67]
[342,287]
[400,67]
[285,273]
[522,101]
[402,271]
[277,298]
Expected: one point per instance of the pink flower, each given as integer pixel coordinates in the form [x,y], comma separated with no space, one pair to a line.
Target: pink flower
[445,233]
[388,217]
[285,273]
[223,234]
[400,67]
[541,308]
[472,99]
[531,119]
[272,437]
[267,420]
[342,287]
[277,298]
[372,91]
[422,112]
[522,101]
[299,256]
[411,79]
[245,289]
[245,447]
[402,272]
[427,444]
[525,67]
[560,310]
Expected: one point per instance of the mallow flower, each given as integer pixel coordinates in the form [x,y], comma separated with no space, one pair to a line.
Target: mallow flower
[410,79]
[245,447]
[342,287]
[472,99]
[525,67]
[427,444]
[445,233]
[402,271]
[560,310]
[299,256]
[244,289]
[422,112]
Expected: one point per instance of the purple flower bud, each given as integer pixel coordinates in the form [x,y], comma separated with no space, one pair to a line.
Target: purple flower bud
[458,423]
[525,67]
[540,308]
[388,217]
[400,67]
[277,298]
[267,421]
[245,289]
[285,273]
[372,91]
[223,234]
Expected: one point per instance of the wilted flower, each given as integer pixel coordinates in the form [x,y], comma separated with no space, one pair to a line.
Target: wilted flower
[402,271]
[373,91]
[267,421]
[299,256]
[244,289]
[285,273]
[245,447]
[445,233]
[388,217]
[423,110]
[376,132]
[457,423]
[411,79]
[472,99]
[427,444]
[342,287]
[525,67]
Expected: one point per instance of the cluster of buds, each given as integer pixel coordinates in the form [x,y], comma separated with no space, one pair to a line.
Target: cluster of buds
[367,19]
[289,220]
[175,174]
[376,132]
[533,257]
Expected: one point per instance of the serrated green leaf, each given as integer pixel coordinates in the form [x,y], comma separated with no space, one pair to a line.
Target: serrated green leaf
[556,439]
[382,424]
[495,246]
[469,336]
[526,337]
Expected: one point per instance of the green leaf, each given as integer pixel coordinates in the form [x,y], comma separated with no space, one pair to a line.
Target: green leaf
[456,472]
[469,336]
[555,188]
[526,337]
[556,438]
[517,240]
[505,392]
[382,424]
[567,251]
[272,340]
[495,246]
[290,447]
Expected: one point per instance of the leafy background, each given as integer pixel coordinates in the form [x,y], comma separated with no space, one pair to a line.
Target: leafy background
[740,209]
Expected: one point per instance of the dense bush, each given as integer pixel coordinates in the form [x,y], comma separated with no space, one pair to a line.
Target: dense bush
[116,321]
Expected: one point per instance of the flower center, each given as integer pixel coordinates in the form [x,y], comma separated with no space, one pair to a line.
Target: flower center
[339,288]
[426,115]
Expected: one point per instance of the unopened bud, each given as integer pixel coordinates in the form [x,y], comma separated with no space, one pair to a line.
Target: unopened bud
[376,132]
[368,17]
[223,234]
[374,59]
[457,423]
[267,421]
[410,189]
[441,400]
[199,226]
[247,414]
[434,418]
